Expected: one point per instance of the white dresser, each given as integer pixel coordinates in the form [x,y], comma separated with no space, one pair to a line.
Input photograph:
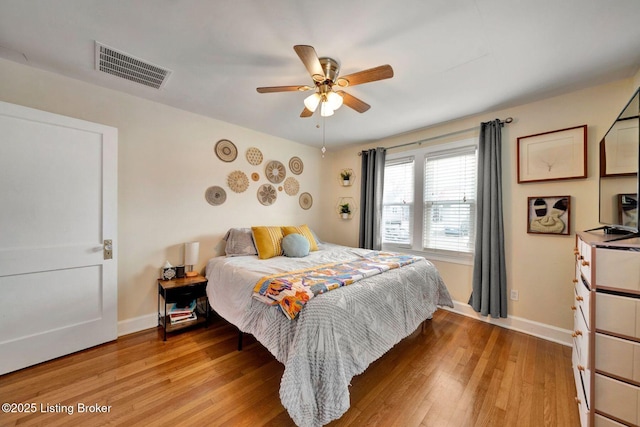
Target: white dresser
[606,337]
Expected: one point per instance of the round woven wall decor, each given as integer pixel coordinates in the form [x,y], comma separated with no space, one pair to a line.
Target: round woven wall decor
[306,201]
[226,151]
[215,195]
[255,176]
[291,186]
[275,171]
[254,156]
[238,181]
[296,166]
[267,194]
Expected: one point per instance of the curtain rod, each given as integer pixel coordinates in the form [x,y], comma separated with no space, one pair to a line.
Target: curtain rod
[502,122]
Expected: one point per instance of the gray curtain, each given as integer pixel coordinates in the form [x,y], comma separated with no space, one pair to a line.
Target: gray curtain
[371,198]
[489,292]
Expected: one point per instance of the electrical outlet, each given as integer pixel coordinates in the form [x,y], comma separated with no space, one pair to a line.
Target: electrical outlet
[514,295]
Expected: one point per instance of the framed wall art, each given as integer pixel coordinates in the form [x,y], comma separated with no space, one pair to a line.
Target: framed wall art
[549,215]
[551,156]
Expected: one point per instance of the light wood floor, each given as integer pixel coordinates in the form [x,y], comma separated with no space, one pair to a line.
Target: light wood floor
[455,372]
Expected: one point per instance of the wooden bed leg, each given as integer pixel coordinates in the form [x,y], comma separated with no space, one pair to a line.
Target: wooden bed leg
[239,340]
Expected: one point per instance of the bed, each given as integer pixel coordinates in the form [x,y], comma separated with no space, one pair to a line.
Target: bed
[337,334]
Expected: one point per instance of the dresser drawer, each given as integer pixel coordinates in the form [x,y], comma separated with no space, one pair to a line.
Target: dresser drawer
[617,399]
[584,260]
[581,397]
[581,339]
[618,357]
[583,301]
[618,269]
[617,314]
[601,421]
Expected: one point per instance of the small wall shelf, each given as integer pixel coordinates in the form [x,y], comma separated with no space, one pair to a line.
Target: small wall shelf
[348,172]
[350,203]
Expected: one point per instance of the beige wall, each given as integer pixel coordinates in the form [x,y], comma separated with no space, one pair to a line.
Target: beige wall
[540,267]
[166,162]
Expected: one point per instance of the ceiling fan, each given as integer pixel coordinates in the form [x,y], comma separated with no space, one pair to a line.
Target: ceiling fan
[324,72]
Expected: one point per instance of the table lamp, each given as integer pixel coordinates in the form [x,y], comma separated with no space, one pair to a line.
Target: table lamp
[191,253]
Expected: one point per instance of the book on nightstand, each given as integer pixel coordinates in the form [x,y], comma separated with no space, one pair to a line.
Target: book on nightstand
[175,319]
[176,308]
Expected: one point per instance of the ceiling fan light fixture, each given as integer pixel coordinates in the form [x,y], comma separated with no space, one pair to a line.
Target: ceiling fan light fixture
[325,109]
[334,100]
[311,102]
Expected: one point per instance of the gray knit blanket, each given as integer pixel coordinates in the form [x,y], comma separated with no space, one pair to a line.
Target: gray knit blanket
[339,333]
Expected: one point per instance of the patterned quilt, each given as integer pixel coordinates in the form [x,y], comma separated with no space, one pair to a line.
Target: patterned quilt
[292,290]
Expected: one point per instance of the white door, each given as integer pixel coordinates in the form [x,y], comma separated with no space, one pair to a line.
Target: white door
[58,204]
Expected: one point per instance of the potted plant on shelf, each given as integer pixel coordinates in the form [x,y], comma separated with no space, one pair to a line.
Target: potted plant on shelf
[345,211]
[346,177]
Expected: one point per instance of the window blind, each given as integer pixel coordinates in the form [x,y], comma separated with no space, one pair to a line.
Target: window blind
[449,200]
[397,201]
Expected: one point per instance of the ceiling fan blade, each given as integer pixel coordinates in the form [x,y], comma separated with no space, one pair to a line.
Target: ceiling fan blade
[353,102]
[306,113]
[371,75]
[270,89]
[310,60]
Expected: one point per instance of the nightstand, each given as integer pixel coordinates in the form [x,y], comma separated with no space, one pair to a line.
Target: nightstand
[182,291]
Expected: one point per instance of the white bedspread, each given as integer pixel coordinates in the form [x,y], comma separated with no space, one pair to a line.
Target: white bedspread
[337,334]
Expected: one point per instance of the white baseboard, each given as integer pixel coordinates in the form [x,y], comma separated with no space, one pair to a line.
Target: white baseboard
[540,330]
[137,324]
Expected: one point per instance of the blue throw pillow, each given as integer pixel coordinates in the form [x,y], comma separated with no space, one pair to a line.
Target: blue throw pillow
[295,245]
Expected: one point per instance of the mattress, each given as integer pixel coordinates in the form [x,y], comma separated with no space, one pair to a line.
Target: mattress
[337,334]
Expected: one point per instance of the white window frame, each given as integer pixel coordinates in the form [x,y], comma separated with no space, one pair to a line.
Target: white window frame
[418,204]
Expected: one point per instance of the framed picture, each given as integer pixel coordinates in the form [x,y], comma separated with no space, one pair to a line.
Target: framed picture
[551,156]
[549,215]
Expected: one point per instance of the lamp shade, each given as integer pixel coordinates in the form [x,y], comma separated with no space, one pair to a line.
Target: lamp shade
[311,102]
[334,100]
[325,109]
[191,253]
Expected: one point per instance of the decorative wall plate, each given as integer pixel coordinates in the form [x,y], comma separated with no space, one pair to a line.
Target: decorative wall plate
[291,186]
[238,181]
[215,195]
[296,166]
[254,156]
[226,151]
[255,176]
[267,194]
[275,171]
[306,201]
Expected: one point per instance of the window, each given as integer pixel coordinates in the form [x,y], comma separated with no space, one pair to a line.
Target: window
[429,200]
[449,200]
[397,201]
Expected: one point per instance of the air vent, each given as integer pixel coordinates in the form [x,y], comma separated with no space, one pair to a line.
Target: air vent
[130,68]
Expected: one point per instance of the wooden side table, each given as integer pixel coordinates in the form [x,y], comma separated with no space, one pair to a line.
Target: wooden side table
[182,290]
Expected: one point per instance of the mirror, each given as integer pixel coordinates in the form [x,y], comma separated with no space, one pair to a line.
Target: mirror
[619,164]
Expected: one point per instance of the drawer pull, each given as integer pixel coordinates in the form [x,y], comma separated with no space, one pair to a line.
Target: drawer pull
[585,263]
[580,368]
[576,251]
[573,307]
[578,401]
[580,257]
[575,281]
[576,334]
[579,298]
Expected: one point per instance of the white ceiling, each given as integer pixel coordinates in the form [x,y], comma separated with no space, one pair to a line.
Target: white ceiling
[452,58]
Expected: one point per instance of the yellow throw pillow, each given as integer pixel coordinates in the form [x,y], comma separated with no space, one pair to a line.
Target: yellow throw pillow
[268,241]
[305,231]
